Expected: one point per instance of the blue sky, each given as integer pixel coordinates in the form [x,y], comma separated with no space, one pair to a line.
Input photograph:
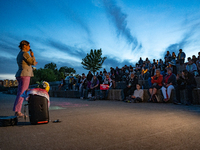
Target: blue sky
[64,31]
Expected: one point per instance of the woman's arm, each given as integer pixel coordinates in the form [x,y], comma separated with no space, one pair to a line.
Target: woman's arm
[29,60]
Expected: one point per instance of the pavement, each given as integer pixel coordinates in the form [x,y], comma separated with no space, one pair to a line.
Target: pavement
[104,125]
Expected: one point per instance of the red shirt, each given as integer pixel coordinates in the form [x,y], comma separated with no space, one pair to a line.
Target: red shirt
[158,80]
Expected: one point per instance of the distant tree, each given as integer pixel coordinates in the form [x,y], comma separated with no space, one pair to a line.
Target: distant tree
[51,66]
[93,61]
[66,69]
[50,73]
[44,75]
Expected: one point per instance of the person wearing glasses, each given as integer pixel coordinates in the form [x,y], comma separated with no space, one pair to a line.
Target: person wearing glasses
[24,73]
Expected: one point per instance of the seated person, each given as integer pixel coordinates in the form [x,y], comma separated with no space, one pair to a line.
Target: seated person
[168,84]
[156,85]
[94,85]
[173,66]
[61,84]
[131,85]
[83,86]
[137,95]
[186,81]
[107,81]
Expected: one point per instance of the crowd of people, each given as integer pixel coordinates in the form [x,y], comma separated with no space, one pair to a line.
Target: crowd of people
[163,75]
[159,74]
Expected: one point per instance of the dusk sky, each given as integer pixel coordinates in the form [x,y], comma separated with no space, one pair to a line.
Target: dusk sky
[64,31]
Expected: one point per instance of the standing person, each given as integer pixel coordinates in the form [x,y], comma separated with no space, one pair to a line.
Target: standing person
[62,83]
[155,63]
[169,84]
[156,82]
[188,82]
[83,86]
[174,57]
[78,83]
[72,82]
[100,77]
[181,57]
[25,71]
[168,57]
[140,62]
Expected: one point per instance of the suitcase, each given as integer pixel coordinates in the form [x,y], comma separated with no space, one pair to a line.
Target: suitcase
[38,109]
[8,121]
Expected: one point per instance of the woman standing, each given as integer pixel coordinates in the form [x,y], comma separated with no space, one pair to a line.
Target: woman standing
[25,71]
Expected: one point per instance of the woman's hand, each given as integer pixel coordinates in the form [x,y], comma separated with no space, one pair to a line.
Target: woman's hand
[35,63]
[31,53]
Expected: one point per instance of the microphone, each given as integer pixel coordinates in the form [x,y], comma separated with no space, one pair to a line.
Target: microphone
[30,50]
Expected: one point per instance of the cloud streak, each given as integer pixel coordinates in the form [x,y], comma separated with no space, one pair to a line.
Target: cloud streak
[119,19]
[69,13]
[186,40]
[72,51]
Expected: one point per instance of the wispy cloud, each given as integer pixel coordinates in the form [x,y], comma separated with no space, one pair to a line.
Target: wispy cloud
[114,62]
[72,51]
[75,17]
[186,40]
[119,19]
[8,65]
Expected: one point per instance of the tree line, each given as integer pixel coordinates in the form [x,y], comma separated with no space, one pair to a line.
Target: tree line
[93,61]
[50,73]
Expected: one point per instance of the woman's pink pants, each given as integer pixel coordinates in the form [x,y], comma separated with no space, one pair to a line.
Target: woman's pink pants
[23,84]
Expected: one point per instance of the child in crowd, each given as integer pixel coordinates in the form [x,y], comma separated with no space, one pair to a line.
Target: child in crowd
[137,95]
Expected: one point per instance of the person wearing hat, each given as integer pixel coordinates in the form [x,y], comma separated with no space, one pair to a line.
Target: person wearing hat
[172,65]
[169,83]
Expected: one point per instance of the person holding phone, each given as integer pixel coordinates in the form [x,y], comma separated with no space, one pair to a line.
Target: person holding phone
[24,73]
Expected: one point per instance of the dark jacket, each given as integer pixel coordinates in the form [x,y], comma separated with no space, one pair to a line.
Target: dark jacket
[89,77]
[132,82]
[172,79]
[174,70]
[190,80]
